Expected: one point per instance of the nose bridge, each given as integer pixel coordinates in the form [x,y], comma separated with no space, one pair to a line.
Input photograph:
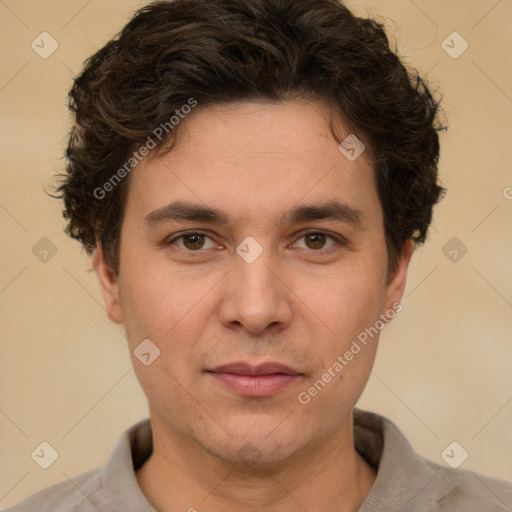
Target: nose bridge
[257,277]
[255,297]
[254,262]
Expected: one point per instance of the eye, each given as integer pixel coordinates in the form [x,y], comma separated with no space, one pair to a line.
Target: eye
[192,242]
[318,240]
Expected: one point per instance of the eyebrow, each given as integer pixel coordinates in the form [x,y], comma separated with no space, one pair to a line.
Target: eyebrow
[332,210]
[185,211]
[180,210]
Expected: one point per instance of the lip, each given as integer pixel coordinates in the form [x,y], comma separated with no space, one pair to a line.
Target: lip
[261,380]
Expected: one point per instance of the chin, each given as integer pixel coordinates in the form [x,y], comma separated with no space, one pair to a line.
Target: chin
[258,443]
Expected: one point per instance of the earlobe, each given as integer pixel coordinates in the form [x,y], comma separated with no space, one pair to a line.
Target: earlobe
[397,281]
[109,285]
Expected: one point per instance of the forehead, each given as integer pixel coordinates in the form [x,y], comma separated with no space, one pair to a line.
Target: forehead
[255,158]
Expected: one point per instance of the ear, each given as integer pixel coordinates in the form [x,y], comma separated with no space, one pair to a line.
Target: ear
[108,285]
[396,284]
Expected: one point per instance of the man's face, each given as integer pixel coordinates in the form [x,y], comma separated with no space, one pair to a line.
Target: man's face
[317,284]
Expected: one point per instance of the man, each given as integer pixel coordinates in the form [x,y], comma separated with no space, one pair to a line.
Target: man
[251,177]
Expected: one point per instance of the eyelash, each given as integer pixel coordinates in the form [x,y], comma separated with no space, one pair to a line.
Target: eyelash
[337,239]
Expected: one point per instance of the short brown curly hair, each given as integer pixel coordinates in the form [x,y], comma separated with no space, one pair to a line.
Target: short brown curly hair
[220,51]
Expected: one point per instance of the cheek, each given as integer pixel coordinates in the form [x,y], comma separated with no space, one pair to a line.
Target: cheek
[158,309]
[157,302]
[171,312]
[345,302]
[347,310]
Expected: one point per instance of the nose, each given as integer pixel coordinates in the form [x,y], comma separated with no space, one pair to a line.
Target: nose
[255,297]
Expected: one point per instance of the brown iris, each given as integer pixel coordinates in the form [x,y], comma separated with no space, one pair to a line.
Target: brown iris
[193,241]
[315,240]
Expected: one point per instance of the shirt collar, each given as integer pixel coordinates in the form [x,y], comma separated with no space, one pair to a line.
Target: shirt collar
[120,484]
[401,473]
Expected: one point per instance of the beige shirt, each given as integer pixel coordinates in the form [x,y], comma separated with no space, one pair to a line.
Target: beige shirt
[406,482]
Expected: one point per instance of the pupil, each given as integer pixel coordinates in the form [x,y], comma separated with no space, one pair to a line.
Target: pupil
[194,241]
[317,240]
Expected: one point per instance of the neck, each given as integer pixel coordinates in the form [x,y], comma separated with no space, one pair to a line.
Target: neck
[180,475]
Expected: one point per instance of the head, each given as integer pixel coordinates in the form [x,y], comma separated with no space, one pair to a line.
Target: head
[208,173]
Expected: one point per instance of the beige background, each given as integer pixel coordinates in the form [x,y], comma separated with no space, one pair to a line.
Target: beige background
[443,371]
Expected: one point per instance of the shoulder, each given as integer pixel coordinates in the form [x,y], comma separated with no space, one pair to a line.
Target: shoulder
[109,488]
[460,490]
[409,482]
[82,493]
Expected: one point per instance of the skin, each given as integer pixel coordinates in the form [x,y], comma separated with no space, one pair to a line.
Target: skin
[300,303]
